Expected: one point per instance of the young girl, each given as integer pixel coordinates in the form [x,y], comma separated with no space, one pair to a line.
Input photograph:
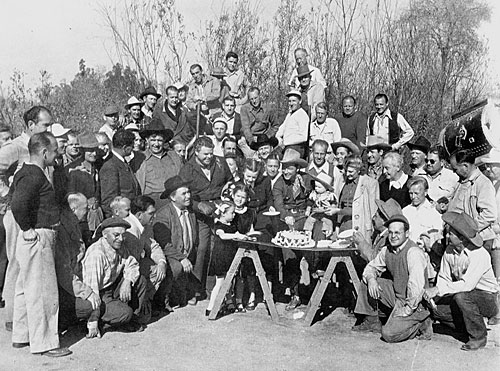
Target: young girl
[244,220]
[224,247]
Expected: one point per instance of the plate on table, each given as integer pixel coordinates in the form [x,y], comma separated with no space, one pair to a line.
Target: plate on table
[340,244]
[271,213]
[254,233]
[324,243]
[346,234]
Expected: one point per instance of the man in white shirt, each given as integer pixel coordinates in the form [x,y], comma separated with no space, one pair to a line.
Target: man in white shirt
[388,124]
[301,60]
[219,128]
[465,281]
[293,131]
[236,79]
[324,127]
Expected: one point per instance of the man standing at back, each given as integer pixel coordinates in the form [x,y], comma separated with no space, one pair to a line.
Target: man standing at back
[257,118]
[301,60]
[12,156]
[352,123]
[389,124]
[236,79]
[36,303]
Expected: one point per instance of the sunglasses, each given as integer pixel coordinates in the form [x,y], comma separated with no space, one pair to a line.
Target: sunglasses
[430,161]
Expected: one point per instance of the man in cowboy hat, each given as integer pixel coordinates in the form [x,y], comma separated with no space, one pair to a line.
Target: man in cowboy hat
[312,92]
[418,153]
[158,165]
[110,269]
[111,118]
[173,117]
[466,281]
[294,130]
[301,60]
[204,90]
[376,147]
[290,196]
[368,250]
[388,124]
[149,96]
[133,108]
[324,127]
[176,230]
[257,117]
[352,122]
[343,148]
[400,296]
[263,146]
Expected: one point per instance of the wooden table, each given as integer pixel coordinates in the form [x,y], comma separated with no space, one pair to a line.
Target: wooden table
[250,250]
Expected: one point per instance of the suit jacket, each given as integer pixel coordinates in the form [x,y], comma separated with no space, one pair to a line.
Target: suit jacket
[117,179]
[364,206]
[168,233]
[201,188]
[182,128]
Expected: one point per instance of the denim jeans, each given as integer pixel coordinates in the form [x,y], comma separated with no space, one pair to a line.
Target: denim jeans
[465,310]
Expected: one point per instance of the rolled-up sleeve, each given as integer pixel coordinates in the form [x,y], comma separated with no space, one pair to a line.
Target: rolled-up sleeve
[131,269]
[406,131]
[376,267]
[417,266]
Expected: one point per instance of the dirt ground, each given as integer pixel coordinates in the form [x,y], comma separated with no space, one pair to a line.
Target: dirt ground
[186,340]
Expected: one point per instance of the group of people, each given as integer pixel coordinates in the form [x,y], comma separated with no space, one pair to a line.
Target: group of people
[113,227]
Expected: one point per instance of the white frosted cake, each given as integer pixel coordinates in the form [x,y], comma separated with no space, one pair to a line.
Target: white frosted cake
[293,239]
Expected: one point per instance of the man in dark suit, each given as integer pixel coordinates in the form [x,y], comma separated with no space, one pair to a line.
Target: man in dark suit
[116,176]
[176,230]
[206,175]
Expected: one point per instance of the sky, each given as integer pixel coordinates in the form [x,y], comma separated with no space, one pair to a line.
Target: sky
[53,35]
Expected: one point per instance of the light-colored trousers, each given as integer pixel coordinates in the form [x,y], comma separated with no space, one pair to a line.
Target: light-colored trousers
[36,301]
[11,233]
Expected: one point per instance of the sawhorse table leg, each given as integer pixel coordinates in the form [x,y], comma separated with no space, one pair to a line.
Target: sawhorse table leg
[226,285]
[319,290]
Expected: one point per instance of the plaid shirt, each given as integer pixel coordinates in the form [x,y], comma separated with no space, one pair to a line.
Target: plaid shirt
[102,265]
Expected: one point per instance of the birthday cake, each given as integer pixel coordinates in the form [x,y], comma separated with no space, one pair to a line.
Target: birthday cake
[293,239]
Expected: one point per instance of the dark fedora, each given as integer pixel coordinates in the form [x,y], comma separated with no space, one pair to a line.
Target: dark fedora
[465,225]
[303,71]
[262,140]
[156,127]
[421,143]
[173,184]
[88,140]
[150,90]
[111,110]
[388,208]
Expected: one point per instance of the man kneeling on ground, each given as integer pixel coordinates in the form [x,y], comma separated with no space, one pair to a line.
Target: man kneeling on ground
[466,288]
[399,295]
[112,271]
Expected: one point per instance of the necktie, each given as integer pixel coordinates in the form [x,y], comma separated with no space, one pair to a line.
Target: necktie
[186,237]
[296,188]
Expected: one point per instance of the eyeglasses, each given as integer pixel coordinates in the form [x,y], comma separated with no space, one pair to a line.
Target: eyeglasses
[430,161]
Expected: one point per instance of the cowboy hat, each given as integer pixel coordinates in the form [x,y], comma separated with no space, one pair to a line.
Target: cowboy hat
[303,71]
[132,127]
[421,143]
[388,208]
[133,101]
[262,140]
[292,157]
[492,157]
[218,72]
[295,93]
[376,142]
[150,90]
[465,225]
[181,86]
[397,218]
[88,140]
[324,179]
[156,127]
[58,130]
[171,185]
[344,142]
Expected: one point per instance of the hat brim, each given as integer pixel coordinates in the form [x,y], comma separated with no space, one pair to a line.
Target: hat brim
[127,106]
[351,146]
[304,74]
[413,146]
[298,163]
[271,141]
[157,95]
[294,95]
[326,185]
[379,146]
[90,146]
[167,192]
[381,206]
[61,133]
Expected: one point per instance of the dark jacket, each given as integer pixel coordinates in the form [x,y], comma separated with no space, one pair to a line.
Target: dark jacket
[168,233]
[180,126]
[117,179]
